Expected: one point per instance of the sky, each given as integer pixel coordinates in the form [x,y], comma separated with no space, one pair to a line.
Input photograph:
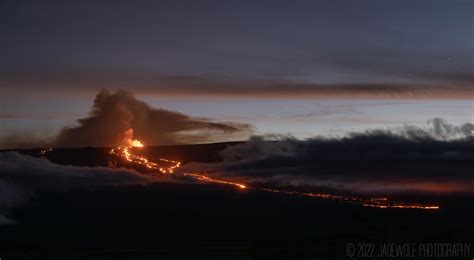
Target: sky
[303,68]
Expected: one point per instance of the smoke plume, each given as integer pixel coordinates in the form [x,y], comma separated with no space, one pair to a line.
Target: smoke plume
[115,113]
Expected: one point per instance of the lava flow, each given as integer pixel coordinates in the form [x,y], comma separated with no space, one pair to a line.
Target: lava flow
[382,203]
[209,179]
[141,160]
[166,166]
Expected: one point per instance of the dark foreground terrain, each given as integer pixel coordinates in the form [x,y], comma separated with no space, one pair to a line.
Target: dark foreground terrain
[198,221]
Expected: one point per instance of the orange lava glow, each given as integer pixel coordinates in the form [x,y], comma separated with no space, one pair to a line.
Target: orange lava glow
[382,203]
[166,166]
[129,141]
[163,165]
[136,143]
[209,179]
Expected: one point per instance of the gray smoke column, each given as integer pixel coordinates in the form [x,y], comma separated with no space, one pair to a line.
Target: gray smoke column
[115,113]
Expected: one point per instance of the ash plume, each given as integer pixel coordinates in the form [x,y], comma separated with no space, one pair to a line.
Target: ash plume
[114,113]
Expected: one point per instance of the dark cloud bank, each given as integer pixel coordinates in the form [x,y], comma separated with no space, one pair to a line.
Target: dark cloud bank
[429,85]
[438,159]
[22,176]
[114,113]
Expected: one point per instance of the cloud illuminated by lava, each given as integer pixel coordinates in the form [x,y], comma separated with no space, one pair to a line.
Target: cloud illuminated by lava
[129,141]
[115,113]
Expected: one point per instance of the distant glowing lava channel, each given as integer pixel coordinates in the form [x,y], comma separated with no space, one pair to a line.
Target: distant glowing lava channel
[159,165]
[209,179]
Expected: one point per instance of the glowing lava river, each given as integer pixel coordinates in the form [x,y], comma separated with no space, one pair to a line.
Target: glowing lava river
[165,166]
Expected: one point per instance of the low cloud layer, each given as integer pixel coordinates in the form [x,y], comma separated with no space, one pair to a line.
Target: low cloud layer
[436,159]
[22,176]
[115,113]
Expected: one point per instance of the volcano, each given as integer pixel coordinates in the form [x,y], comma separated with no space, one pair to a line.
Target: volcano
[206,218]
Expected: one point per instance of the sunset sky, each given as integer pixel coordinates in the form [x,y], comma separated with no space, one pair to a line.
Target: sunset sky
[290,67]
